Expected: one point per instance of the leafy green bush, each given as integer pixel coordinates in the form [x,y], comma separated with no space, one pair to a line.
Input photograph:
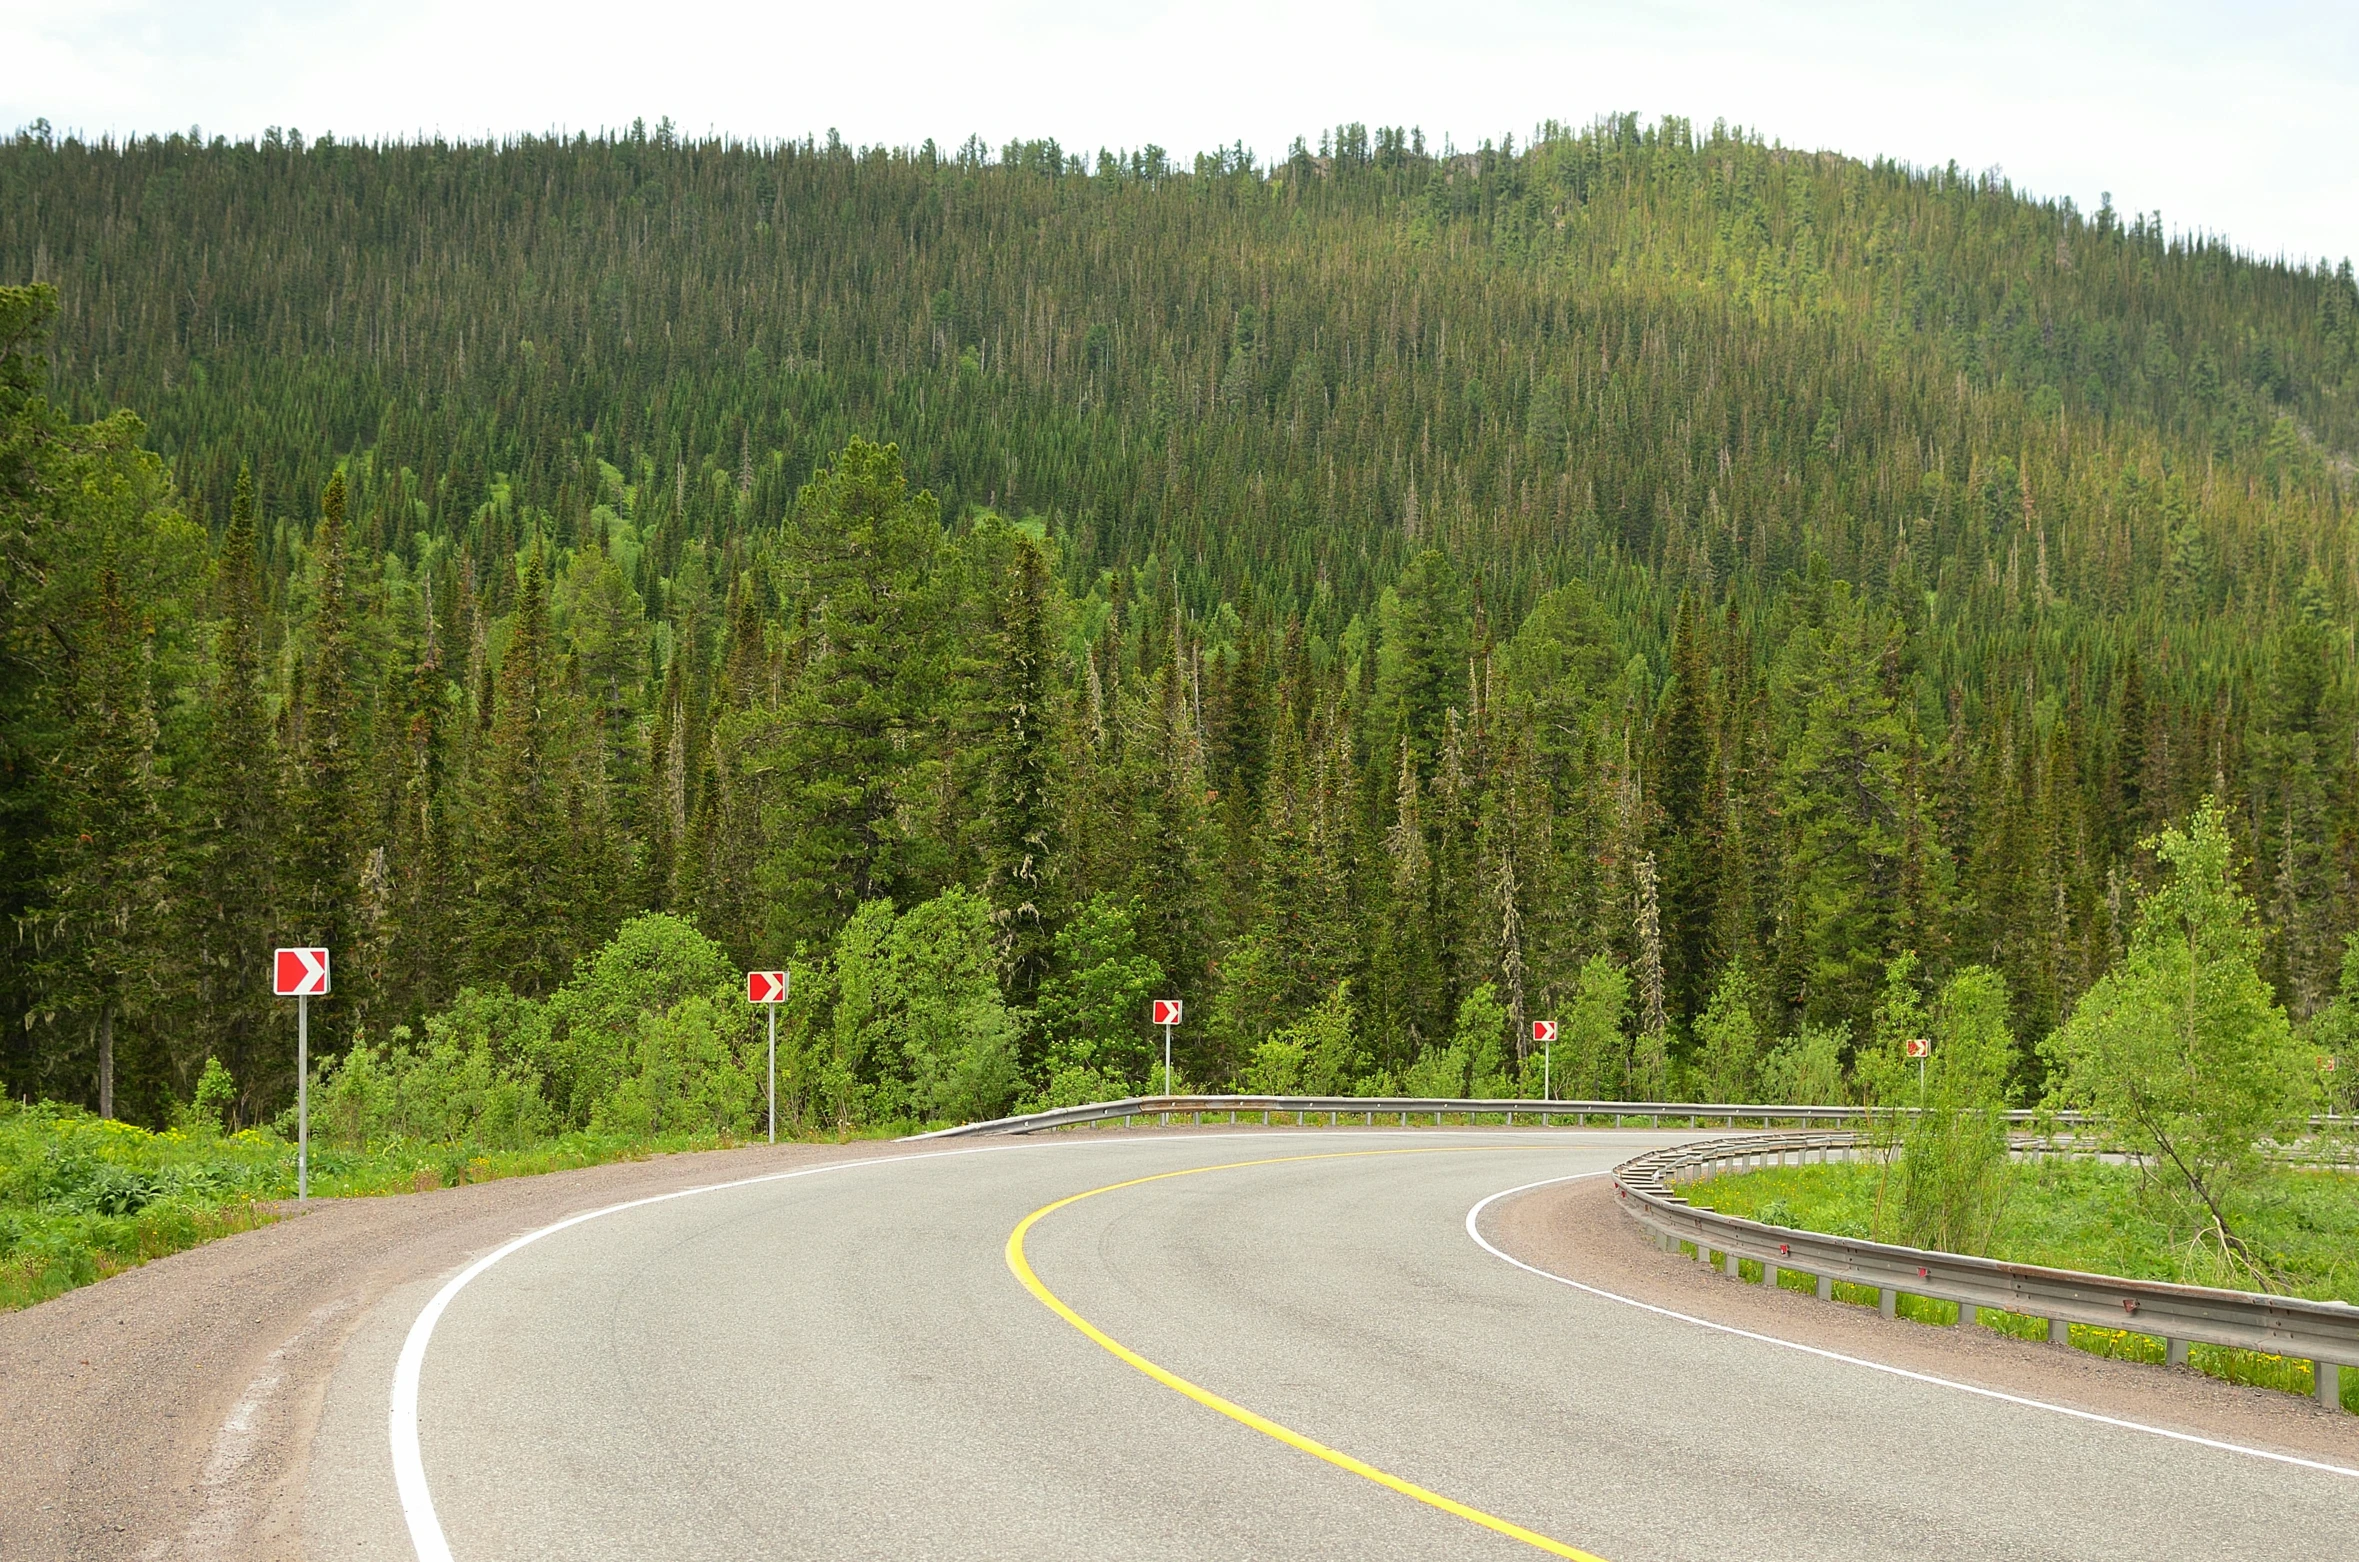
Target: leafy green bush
[1092,1016]
[586,1043]
[452,1090]
[1952,1172]
[2181,1049]
[694,1068]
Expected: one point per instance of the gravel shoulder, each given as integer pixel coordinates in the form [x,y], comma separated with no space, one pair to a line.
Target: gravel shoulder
[169,1411]
[1577,1231]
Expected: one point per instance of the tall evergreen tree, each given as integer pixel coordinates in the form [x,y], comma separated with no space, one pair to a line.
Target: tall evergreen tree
[99,938]
[228,871]
[859,550]
[1020,816]
[326,834]
[520,921]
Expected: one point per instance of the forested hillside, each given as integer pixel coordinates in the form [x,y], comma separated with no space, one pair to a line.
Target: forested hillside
[1652,578]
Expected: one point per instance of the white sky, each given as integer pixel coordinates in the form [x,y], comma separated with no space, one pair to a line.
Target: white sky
[2232,119]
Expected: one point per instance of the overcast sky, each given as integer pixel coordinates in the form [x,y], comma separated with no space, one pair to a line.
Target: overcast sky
[2233,119]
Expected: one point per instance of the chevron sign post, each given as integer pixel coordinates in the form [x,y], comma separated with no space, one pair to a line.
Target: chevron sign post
[1544,1032]
[301,974]
[1167,1014]
[768,988]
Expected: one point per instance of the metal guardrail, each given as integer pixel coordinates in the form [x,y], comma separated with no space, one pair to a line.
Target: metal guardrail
[2326,1333]
[1404,1108]
[1368,1109]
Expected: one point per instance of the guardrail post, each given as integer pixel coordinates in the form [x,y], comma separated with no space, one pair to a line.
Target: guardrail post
[1968,1315]
[1888,1302]
[2059,1332]
[1735,1271]
[1826,1288]
[1769,1275]
[2329,1380]
[2175,1352]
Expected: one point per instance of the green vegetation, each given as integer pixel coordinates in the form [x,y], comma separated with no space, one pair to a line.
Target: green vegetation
[2182,1050]
[82,1197]
[2302,1227]
[1753,607]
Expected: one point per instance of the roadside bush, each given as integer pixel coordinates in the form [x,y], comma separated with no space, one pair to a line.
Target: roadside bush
[694,1069]
[1953,1161]
[1092,1017]
[914,1025]
[956,1034]
[1806,1068]
[1592,1056]
[2181,1048]
[450,1090]
[585,1044]
[1731,1036]
[1481,1036]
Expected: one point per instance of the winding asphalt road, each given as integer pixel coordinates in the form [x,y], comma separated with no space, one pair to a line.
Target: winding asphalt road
[847,1363]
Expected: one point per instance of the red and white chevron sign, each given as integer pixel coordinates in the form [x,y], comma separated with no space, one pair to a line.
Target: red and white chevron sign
[1167,1011]
[765,987]
[1543,1030]
[300,973]
[1919,1047]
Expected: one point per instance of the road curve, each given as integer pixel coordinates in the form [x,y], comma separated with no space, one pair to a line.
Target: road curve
[844,1365]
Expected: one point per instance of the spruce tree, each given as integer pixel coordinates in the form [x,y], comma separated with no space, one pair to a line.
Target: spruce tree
[326,831]
[99,937]
[227,871]
[1020,816]
[1685,841]
[520,919]
[859,551]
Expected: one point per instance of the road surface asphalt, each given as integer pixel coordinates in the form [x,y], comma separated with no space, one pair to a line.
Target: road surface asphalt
[841,1363]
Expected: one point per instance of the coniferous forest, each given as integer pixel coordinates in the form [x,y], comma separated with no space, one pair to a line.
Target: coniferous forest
[1705,593]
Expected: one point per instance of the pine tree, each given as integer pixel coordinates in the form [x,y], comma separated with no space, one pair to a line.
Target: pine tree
[1426,666]
[227,871]
[426,886]
[99,936]
[859,549]
[1410,984]
[319,878]
[1020,817]
[520,921]
[1685,842]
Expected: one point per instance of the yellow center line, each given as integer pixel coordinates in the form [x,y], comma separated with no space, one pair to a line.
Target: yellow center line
[1022,1267]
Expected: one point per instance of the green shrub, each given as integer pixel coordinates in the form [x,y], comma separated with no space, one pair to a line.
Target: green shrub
[694,1069]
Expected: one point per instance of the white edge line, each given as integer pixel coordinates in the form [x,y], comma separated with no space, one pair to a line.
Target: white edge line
[409,1465]
[1472,1229]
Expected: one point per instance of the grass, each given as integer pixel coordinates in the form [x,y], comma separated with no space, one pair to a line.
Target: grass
[82,1198]
[2096,1217]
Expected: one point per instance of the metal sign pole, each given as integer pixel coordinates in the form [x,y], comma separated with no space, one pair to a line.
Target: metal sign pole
[1548,1069]
[773,1073]
[302,1097]
[1167,1060]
